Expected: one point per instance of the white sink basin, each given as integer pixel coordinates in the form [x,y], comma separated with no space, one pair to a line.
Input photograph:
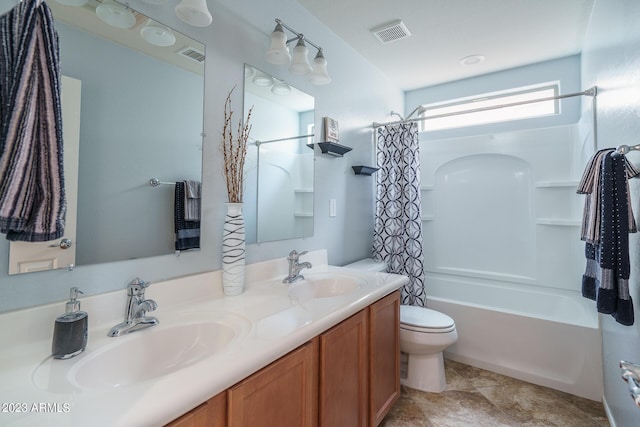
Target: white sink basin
[324,286]
[140,356]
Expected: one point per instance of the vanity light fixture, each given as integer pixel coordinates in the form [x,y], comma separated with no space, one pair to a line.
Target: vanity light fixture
[280,88]
[299,62]
[262,80]
[278,53]
[194,12]
[319,75]
[115,14]
[157,35]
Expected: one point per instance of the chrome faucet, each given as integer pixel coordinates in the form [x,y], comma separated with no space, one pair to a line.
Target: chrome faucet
[295,267]
[136,311]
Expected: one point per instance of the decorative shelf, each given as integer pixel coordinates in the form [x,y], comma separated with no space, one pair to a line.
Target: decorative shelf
[427,187]
[428,218]
[303,190]
[332,148]
[303,214]
[364,170]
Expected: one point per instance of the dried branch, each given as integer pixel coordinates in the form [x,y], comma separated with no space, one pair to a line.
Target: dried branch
[234,151]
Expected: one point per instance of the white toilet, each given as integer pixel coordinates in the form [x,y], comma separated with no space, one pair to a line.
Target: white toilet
[424,335]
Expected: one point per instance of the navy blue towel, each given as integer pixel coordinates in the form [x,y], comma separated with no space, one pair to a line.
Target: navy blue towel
[187,232]
[606,279]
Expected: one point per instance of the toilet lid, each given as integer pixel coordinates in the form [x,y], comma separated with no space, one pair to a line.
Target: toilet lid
[422,317]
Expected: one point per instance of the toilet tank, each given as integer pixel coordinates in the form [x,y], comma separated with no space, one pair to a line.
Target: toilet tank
[368,264]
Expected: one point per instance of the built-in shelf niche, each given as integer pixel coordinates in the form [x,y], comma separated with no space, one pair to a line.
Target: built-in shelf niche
[303,203]
[566,188]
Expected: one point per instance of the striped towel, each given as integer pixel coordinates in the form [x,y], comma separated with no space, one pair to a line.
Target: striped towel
[32,198]
[187,232]
[192,190]
[606,279]
[591,186]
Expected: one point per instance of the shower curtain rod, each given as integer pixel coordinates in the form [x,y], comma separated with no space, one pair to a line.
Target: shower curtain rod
[589,92]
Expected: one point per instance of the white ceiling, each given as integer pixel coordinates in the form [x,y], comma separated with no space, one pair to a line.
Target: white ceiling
[509,33]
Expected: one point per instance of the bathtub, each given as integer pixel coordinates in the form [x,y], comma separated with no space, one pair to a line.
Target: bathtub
[546,336]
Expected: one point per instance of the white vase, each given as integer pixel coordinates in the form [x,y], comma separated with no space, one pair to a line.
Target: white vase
[233,250]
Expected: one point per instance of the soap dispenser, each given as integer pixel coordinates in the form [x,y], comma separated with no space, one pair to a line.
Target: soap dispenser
[71,330]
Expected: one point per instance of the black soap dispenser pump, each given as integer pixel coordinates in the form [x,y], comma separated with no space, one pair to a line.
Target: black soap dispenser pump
[71,330]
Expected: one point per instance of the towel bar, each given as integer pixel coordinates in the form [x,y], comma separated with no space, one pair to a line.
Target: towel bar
[624,149]
[154,182]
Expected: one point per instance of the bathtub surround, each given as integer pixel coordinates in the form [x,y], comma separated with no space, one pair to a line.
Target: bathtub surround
[515,310]
[32,196]
[398,226]
[606,279]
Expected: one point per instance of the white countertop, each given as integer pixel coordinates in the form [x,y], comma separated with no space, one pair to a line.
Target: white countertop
[270,323]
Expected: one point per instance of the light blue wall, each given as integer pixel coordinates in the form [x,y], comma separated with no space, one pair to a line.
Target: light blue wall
[611,60]
[240,34]
[565,70]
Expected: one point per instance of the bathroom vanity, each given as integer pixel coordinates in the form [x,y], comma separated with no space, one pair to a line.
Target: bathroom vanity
[346,376]
[321,352]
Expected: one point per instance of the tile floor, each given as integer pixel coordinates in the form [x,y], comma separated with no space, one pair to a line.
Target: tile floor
[478,398]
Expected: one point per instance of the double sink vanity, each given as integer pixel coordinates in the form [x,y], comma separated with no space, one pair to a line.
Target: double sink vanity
[321,351]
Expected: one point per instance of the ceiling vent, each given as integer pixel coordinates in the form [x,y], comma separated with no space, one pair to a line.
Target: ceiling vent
[192,54]
[391,32]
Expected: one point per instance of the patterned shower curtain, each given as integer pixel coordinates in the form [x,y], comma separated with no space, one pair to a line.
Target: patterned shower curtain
[398,225]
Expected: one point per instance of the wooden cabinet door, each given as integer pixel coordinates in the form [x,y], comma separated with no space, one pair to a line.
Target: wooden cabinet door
[284,394]
[212,413]
[343,374]
[384,352]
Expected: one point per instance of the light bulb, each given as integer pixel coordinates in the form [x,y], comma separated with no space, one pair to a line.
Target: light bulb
[319,75]
[300,62]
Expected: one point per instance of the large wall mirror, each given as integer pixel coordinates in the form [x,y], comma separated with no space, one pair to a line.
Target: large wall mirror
[133,100]
[279,159]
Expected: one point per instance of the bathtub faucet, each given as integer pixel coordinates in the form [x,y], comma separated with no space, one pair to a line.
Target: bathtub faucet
[295,267]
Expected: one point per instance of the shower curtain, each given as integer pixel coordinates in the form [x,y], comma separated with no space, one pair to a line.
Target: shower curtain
[398,224]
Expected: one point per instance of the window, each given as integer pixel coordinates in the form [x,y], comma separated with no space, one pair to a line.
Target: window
[472,109]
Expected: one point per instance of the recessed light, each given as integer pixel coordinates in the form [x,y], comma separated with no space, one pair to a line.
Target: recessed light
[472,60]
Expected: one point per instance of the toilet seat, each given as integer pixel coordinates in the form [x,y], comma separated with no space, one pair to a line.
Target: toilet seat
[425,320]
